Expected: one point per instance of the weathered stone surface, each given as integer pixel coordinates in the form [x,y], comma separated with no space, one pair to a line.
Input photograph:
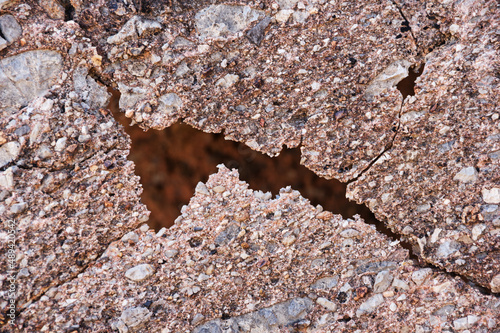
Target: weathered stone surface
[265,289]
[330,88]
[443,170]
[273,99]
[315,74]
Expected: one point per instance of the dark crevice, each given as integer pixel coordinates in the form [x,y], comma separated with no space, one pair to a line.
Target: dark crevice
[407,85]
[406,23]
[69,10]
[172,161]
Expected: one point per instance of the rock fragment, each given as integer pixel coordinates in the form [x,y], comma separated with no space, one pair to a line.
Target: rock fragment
[265,290]
[222,21]
[26,76]
[139,272]
[9,28]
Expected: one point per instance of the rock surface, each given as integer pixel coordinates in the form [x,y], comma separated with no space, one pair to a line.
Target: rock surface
[233,268]
[315,74]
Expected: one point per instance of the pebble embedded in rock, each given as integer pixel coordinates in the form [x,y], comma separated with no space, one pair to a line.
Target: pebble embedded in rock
[31,74]
[382,281]
[447,248]
[370,304]
[492,195]
[466,175]
[495,284]
[325,283]
[135,317]
[221,21]
[9,152]
[287,241]
[198,318]
[421,275]
[327,304]
[9,28]
[139,272]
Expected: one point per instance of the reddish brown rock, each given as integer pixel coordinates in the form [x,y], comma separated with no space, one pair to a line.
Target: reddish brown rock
[280,267]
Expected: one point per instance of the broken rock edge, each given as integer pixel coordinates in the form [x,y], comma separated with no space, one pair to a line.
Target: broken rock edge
[407,242]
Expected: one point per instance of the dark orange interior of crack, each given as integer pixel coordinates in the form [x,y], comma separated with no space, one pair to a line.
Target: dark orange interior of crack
[407,85]
[172,161]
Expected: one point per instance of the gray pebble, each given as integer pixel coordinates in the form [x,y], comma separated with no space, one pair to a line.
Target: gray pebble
[382,282]
[139,272]
[370,305]
[135,317]
[11,30]
[198,318]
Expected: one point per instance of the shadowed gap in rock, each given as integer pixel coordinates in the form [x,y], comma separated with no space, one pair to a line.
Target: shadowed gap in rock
[172,161]
[407,85]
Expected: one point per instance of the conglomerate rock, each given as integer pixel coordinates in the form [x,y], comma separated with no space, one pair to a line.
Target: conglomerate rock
[238,260]
[439,184]
[317,74]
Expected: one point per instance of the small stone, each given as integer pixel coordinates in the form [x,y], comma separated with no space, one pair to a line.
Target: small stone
[491,196]
[227,81]
[370,305]
[283,15]
[419,276]
[18,208]
[454,28]
[298,306]
[327,304]
[219,189]
[256,34]
[201,188]
[447,248]
[135,317]
[9,152]
[130,237]
[221,21]
[171,253]
[7,179]
[466,175]
[161,232]
[325,283]
[60,144]
[169,103]
[477,230]
[393,307]
[349,233]
[9,28]
[495,284]
[287,241]
[400,284]
[382,281]
[461,324]
[139,272]
[198,318]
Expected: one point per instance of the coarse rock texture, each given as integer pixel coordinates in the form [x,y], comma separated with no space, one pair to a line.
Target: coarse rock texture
[323,75]
[307,87]
[315,74]
[65,181]
[238,260]
[439,183]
